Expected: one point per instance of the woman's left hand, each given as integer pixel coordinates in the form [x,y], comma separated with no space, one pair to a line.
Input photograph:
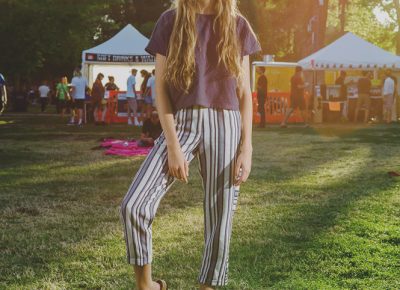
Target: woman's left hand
[243,165]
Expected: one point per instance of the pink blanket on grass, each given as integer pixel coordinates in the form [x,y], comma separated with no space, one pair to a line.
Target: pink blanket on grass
[124,148]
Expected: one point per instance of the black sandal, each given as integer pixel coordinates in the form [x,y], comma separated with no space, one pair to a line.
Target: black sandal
[163,284]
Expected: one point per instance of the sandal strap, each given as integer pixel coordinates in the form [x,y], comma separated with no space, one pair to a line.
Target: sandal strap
[163,284]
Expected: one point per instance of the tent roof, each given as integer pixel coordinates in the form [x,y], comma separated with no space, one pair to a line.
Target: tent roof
[129,41]
[351,51]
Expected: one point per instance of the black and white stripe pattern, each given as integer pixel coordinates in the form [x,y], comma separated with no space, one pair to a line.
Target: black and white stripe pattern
[213,135]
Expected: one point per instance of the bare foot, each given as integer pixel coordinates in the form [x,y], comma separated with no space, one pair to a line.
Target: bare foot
[153,286]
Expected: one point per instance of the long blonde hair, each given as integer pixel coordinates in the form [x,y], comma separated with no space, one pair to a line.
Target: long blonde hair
[180,62]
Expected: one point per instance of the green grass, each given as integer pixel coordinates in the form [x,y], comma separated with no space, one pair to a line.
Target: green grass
[318,212]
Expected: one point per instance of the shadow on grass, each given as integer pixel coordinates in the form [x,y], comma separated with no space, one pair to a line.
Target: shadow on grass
[270,251]
[71,209]
[276,254]
[65,208]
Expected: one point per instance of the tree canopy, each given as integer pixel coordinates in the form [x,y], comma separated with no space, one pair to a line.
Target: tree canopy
[45,38]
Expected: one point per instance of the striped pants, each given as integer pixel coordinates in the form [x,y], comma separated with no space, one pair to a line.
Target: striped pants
[213,135]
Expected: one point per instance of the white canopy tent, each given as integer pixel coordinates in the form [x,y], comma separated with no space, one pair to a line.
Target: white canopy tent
[351,52]
[117,56]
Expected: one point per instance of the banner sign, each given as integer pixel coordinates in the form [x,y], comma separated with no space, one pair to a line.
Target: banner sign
[95,57]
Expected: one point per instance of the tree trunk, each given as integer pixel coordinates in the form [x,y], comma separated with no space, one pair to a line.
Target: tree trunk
[321,11]
[397,6]
[342,5]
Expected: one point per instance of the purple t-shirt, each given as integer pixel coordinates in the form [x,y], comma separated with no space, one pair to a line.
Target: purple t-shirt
[213,86]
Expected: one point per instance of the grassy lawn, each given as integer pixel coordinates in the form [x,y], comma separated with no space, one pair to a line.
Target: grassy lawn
[319,211]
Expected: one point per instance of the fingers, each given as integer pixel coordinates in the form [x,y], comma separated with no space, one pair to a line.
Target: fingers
[238,179]
[180,172]
[184,173]
[186,170]
[242,177]
[238,167]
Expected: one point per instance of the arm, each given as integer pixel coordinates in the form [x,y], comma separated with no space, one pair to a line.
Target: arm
[178,166]
[259,84]
[134,89]
[57,92]
[302,85]
[73,93]
[246,111]
[147,91]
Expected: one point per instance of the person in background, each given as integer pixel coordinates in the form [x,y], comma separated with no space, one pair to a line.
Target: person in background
[3,94]
[111,86]
[364,98]
[396,100]
[131,98]
[62,95]
[143,94]
[79,85]
[262,90]
[388,96]
[296,96]
[151,130]
[44,91]
[151,93]
[32,95]
[341,81]
[98,100]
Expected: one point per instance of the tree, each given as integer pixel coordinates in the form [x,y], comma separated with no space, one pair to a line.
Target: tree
[342,6]
[44,37]
[359,18]
[283,30]
[140,13]
[397,8]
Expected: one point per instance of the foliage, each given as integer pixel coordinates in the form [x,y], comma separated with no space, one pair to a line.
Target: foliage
[282,25]
[140,13]
[361,20]
[45,38]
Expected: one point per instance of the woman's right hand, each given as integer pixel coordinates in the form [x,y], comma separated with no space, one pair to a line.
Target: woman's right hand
[178,166]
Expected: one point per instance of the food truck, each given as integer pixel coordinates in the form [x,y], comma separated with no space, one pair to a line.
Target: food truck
[278,95]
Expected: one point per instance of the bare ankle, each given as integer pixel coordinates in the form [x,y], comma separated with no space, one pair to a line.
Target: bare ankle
[206,287]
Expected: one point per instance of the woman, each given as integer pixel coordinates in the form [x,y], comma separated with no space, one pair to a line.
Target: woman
[142,105]
[147,106]
[204,102]
[98,101]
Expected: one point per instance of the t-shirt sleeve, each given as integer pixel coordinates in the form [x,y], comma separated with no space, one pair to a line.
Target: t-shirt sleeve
[248,39]
[160,36]
[73,82]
